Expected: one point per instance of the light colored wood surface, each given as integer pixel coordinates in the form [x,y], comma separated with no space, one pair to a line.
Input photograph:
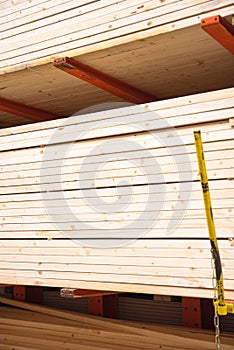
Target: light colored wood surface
[37,327]
[166,65]
[35,34]
[36,251]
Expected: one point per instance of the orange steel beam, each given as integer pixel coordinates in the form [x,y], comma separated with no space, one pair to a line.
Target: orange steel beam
[83,293]
[103,81]
[221,30]
[25,111]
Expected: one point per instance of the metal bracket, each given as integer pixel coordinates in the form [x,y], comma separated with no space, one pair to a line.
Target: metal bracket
[103,81]
[25,111]
[220,30]
[72,293]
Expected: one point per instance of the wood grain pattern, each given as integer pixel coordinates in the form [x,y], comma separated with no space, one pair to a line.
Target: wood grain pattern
[35,227]
[70,26]
[144,64]
[35,327]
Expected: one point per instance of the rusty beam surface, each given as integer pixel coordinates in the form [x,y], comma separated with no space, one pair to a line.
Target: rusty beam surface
[83,293]
[191,312]
[25,111]
[103,81]
[220,30]
[19,293]
[105,306]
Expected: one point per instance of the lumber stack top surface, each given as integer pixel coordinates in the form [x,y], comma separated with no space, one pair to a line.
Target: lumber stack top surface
[36,327]
[43,30]
[169,56]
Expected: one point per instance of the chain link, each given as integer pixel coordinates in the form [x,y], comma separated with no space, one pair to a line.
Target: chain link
[215,301]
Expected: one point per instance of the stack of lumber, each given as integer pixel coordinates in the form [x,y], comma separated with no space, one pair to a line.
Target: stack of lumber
[35,327]
[44,198]
[32,33]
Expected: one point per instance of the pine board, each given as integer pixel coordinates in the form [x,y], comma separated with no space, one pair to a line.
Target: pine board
[34,250]
[43,329]
[38,33]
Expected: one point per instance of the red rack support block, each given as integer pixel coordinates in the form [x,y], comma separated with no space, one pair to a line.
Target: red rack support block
[19,293]
[191,312]
[221,30]
[105,305]
[25,111]
[31,294]
[100,303]
[103,81]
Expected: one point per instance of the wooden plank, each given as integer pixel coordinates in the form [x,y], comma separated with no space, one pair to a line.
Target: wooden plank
[84,11]
[147,269]
[14,4]
[151,112]
[19,16]
[9,347]
[20,8]
[151,263]
[147,111]
[88,237]
[32,158]
[134,288]
[93,321]
[194,206]
[190,21]
[159,106]
[130,343]
[86,341]
[109,178]
[160,244]
[18,319]
[147,274]
[140,162]
[43,251]
[36,215]
[45,277]
[77,332]
[105,182]
[67,29]
[53,344]
[117,167]
[156,216]
[120,126]
[170,189]
[118,32]
[139,141]
[16,314]
[72,345]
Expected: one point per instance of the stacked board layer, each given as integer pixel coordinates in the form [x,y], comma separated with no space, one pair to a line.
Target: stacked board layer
[37,328]
[112,200]
[33,32]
